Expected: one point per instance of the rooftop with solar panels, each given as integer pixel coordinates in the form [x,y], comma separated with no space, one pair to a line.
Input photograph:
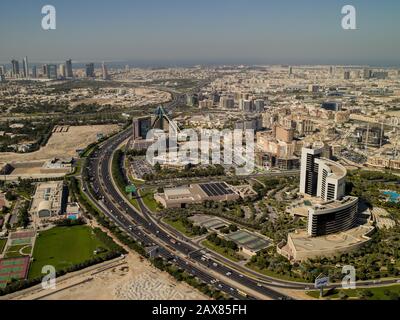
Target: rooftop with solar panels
[216,188]
[182,196]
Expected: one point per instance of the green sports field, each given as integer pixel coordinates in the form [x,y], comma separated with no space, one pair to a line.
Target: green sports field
[63,247]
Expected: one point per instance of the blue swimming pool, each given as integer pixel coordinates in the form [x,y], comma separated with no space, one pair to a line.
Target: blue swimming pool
[393,196]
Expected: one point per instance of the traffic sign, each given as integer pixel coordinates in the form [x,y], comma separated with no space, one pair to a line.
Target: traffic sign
[321,282]
[130,189]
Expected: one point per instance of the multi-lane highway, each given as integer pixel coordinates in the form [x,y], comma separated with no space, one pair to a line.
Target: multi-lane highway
[144,229]
[206,265]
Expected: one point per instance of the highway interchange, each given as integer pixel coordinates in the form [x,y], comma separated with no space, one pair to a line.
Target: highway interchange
[226,276]
[144,229]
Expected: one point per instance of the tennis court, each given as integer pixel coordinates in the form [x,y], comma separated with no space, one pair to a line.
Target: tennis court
[21,238]
[22,235]
[249,240]
[20,241]
[13,268]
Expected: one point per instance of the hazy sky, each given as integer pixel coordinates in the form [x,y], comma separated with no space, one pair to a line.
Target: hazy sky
[203,31]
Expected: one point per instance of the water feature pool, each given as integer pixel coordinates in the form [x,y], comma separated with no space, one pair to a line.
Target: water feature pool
[393,196]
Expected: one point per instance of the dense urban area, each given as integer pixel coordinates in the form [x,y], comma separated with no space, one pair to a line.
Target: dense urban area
[78,192]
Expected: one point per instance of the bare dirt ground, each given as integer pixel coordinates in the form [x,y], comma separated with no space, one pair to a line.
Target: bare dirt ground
[135,279]
[62,144]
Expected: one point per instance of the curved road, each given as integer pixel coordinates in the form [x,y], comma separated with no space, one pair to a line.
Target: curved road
[172,246]
[143,229]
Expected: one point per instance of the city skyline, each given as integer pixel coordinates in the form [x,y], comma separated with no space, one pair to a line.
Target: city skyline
[181,33]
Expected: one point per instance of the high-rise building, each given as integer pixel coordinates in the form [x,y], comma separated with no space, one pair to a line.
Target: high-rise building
[62,71]
[25,67]
[305,126]
[259,105]
[215,97]
[34,72]
[332,217]
[246,105]
[15,68]
[192,100]
[367,73]
[90,70]
[370,136]
[331,180]
[380,75]
[141,126]
[2,70]
[227,103]
[68,67]
[346,75]
[290,71]
[309,170]
[104,72]
[284,134]
[321,177]
[51,71]
[44,70]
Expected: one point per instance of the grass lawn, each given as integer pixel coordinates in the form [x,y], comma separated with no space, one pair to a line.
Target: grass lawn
[274,274]
[14,251]
[27,250]
[136,182]
[12,254]
[377,293]
[227,253]
[178,225]
[148,199]
[2,244]
[77,168]
[135,204]
[63,247]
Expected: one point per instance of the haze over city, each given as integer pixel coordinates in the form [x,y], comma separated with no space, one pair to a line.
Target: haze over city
[203,32]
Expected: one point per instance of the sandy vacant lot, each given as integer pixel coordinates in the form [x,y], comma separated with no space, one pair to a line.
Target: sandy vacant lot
[134,280]
[62,144]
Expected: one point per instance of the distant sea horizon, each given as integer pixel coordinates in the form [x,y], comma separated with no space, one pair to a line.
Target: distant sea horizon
[181,63]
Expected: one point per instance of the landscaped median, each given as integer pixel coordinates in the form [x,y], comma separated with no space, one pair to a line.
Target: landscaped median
[119,177]
[379,293]
[226,252]
[272,274]
[184,226]
[147,196]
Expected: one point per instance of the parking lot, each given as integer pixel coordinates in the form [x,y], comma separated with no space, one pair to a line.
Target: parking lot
[140,167]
